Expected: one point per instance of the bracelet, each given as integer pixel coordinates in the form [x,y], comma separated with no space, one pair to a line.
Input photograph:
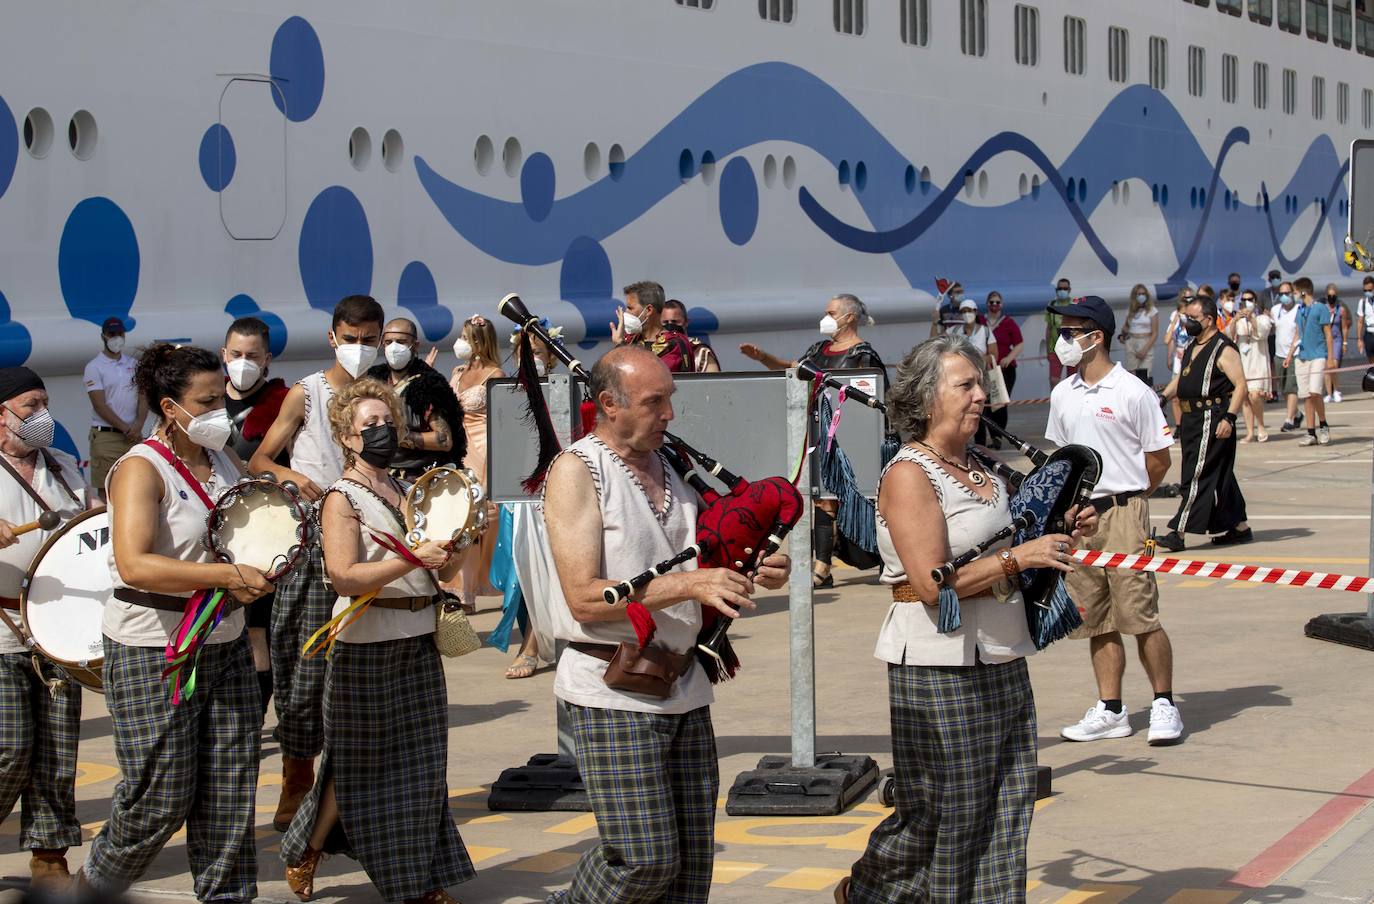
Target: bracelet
[1230,417]
[1010,567]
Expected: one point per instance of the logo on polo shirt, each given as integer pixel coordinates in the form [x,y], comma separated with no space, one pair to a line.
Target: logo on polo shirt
[1106,414]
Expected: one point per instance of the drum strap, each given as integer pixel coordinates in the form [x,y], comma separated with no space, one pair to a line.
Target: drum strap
[18,632]
[180,467]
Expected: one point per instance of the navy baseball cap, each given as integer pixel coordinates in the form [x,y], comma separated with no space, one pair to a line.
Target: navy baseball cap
[113,326]
[1089,307]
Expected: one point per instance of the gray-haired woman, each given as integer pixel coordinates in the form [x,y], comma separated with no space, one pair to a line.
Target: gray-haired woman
[963,716]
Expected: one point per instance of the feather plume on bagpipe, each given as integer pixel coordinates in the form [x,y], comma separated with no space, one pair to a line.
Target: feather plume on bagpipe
[1058,481]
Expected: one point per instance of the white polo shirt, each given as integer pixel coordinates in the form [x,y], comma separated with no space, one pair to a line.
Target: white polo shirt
[1285,327]
[1119,416]
[115,376]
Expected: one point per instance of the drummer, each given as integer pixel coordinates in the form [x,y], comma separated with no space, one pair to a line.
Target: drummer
[195,762]
[381,794]
[40,729]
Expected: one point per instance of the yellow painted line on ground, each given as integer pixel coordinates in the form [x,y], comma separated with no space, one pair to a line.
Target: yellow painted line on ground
[1033,884]
[1184,585]
[1203,896]
[91,773]
[1042,803]
[1099,894]
[727,871]
[810,878]
[575,826]
[268,778]
[483,820]
[547,862]
[477,853]
[782,831]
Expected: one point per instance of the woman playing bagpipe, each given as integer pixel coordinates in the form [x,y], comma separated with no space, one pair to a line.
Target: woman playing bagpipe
[191,756]
[963,716]
[384,688]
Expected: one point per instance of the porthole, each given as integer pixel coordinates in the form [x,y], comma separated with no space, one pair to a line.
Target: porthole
[925,180]
[843,171]
[968,183]
[38,132]
[1022,186]
[708,167]
[1035,187]
[770,171]
[360,148]
[982,183]
[686,165]
[860,176]
[591,161]
[82,134]
[789,172]
[1125,193]
[910,178]
[512,156]
[1116,192]
[483,154]
[393,150]
[615,160]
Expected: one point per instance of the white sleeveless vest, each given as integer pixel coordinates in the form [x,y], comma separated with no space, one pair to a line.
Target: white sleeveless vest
[314,452]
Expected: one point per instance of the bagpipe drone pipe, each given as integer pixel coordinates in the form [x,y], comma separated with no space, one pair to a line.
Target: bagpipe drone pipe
[736,529]
[1058,481]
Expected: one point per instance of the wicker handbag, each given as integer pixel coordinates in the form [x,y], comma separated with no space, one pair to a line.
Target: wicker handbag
[453,633]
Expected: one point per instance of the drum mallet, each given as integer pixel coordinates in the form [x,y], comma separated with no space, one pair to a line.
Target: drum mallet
[46,521]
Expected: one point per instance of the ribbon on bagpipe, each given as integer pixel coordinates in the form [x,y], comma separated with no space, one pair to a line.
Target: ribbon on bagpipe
[1225,571]
[324,638]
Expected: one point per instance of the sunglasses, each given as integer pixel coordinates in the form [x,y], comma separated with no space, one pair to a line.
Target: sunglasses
[1071,332]
[994,302]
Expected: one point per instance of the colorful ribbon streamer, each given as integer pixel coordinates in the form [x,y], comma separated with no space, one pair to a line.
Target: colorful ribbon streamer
[204,611]
[324,638]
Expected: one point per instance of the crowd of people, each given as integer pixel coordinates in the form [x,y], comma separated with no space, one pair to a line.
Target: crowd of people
[352,437]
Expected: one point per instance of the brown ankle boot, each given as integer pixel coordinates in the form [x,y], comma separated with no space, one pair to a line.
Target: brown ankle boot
[301,877]
[297,778]
[48,869]
[438,896]
[842,891]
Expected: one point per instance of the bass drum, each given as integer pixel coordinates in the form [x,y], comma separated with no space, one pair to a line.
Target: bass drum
[62,600]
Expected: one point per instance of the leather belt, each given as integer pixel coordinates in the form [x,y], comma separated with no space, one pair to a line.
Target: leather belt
[9,602]
[403,603]
[99,429]
[161,601]
[1107,503]
[606,652]
[905,593]
[1191,406]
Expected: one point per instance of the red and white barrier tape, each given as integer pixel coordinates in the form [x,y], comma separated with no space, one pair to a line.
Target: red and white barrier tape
[1254,574]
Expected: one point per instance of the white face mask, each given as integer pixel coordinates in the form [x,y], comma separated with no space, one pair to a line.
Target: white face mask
[1141,299]
[1228,306]
[829,326]
[115,344]
[633,325]
[397,355]
[355,359]
[970,317]
[35,431]
[209,430]
[1069,352]
[243,373]
[462,348]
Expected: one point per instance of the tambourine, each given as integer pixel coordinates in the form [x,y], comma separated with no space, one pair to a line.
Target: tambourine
[445,505]
[261,523]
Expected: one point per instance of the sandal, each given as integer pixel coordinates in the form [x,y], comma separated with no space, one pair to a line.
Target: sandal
[822,583]
[523,667]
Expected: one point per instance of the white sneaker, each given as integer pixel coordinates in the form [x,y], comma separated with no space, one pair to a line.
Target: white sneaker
[1166,725]
[1308,440]
[1324,435]
[1097,724]
[1336,396]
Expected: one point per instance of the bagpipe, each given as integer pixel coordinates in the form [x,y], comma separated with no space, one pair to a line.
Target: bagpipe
[736,529]
[1057,482]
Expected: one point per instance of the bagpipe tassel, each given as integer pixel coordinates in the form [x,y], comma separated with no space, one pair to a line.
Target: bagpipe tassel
[949,610]
[1055,620]
[642,621]
[856,518]
[536,415]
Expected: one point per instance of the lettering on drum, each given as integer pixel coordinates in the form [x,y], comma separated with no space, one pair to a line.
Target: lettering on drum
[93,541]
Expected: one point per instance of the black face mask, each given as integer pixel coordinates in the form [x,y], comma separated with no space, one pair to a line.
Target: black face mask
[1192,327]
[379,445]
[1235,287]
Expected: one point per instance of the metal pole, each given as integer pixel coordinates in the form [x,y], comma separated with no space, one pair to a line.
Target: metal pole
[802,634]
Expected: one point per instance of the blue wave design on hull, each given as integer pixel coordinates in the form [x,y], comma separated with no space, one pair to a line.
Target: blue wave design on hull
[1138,135]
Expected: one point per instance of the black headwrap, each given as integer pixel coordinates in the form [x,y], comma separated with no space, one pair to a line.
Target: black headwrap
[17,381]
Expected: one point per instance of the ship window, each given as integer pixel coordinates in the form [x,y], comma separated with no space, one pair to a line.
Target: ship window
[1197,71]
[82,134]
[1075,45]
[1230,7]
[789,172]
[1200,2]
[1230,77]
[360,148]
[1364,29]
[696,4]
[1318,19]
[1159,63]
[1340,23]
[1318,97]
[1261,86]
[1367,103]
[1290,16]
[1262,11]
[973,27]
[849,16]
[916,22]
[482,154]
[1342,103]
[778,11]
[1118,54]
[1290,91]
[38,132]
[1027,22]
[394,150]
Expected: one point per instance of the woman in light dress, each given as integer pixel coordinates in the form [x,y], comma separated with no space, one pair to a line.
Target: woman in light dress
[1250,329]
[479,361]
[1140,333]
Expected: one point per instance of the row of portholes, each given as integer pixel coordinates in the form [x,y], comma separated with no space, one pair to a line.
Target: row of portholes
[360,149]
[1291,204]
[484,155]
[81,134]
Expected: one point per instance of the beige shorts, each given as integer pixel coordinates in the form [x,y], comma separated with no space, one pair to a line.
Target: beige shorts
[1139,352]
[1116,599]
[106,448]
[1310,377]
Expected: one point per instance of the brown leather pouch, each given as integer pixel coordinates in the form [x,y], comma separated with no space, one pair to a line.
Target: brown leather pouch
[650,670]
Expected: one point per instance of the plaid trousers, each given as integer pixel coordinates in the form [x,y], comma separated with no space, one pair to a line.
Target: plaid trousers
[963,751]
[196,763]
[39,731]
[652,781]
[303,604]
